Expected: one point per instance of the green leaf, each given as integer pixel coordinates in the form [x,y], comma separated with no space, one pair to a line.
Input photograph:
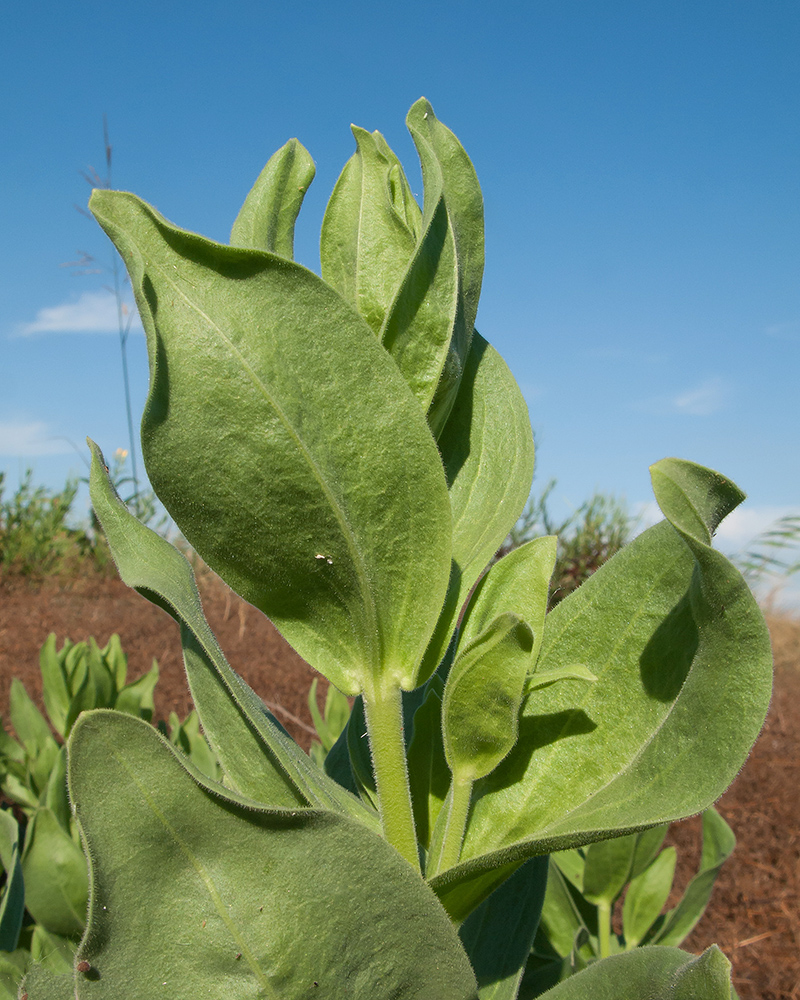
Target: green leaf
[238,888]
[55,691]
[498,935]
[684,671]
[329,724]
[573,672]
[54,868]
[55,793]
[266,220]
[655,973]
[259,759]
[366,241]
[325,501]
[33,731]
[13,966]
[718,845]
[517,583]
[136,698]
[482,698]
[42,983]
[646,897]
[442,156]
[12,895]
[561,920]
[607,867]
[54,951]
[116,661]
[428,773]
[487,449]
[102,679]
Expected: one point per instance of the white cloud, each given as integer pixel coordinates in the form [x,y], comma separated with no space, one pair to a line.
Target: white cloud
[784,331]
[703,399]
[18,440]
[92,312]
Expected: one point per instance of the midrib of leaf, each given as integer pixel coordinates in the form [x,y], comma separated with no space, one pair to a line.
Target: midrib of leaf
[631,762]
[374,626]
[204,875]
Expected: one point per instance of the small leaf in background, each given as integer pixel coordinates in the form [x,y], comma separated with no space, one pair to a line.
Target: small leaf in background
[12,894]
[55,688]
[718,844]
[646,896]
[428,773]
[136,698]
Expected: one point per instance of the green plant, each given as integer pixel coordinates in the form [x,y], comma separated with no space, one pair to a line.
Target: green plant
[585,885]
[42,856]
[35,538]
[349,453]
[587,538]
[766,553]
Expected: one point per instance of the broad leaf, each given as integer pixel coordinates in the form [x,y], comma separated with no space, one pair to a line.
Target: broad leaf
[259,759]
[266,220]
[55,690]
[684,677]
[288,448]
[487,449]
[241,928]
[655,973]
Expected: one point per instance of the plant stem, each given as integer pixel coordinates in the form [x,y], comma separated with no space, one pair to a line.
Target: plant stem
[384,714]
[604,928]
[460,795]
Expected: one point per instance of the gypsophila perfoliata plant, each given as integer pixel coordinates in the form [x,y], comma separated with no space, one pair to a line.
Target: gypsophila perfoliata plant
[348,453]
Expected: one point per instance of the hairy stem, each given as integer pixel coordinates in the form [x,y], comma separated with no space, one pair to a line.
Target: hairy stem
[384,713]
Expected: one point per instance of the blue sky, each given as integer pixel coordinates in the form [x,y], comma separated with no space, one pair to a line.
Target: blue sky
[639,163]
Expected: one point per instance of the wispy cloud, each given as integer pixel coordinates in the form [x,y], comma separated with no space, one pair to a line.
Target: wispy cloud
[92,312]
[19,440]
[702,400]
[784,331]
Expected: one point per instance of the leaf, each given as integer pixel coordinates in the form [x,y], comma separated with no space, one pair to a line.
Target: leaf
[325,500]
[607,867]
[241,928]
[12,895]
[259,759]
[561,920]
[573,672]
[498,935]
[646,897]
[54,869]
[42,983]
[34,733]
[487,449]
[482,698]
[116,661]
[55,692]
[428,773]
[718,845]
[366,241]
[517,583]
[655,973]
[684,669]
[136,698]
[267,217]
[442,155]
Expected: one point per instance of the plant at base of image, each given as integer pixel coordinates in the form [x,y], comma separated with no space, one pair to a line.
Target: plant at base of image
[348,453]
